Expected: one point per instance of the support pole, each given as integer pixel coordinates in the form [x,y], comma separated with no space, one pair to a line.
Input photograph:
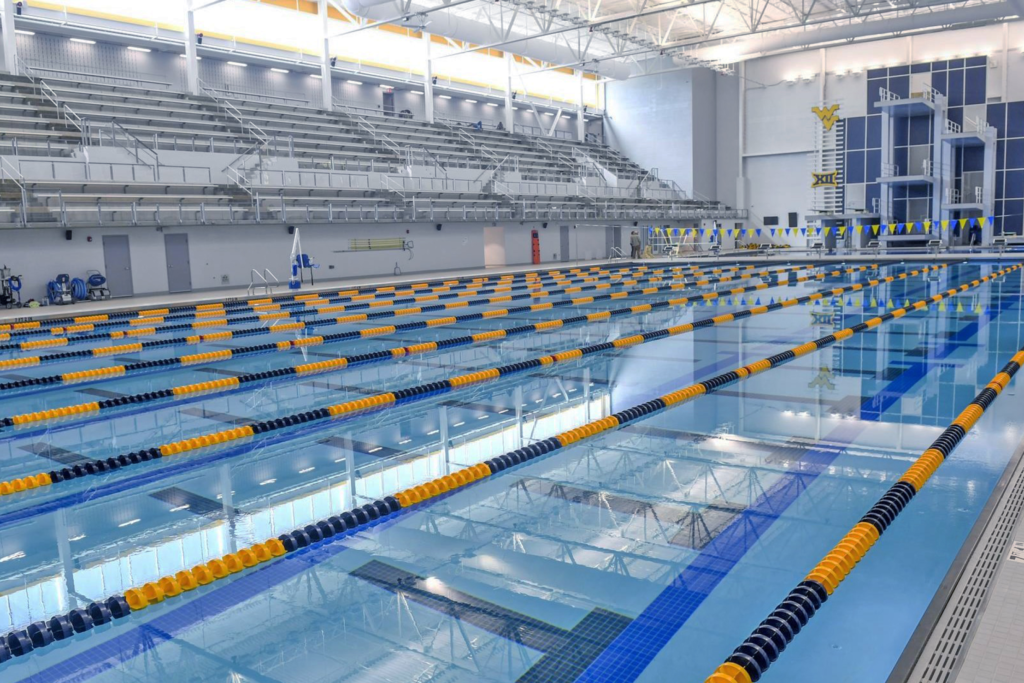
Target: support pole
[510,119]
[325,60]
[191,51]
[428,80]
[581,125]
[10,38]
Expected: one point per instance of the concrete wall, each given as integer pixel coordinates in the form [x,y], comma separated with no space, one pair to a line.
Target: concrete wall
[218,252]
[651,120]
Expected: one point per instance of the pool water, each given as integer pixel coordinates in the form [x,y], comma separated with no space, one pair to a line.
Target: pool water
[644,554]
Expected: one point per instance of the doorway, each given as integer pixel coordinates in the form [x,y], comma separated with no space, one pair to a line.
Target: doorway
[179,267]
[494,247]
[563,243]
[117,261]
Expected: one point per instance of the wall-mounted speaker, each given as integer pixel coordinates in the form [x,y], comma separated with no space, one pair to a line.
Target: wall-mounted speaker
[438,226]
[67,235]
[291,229]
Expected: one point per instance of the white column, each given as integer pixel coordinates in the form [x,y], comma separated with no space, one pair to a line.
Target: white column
[428,79]
[325,60]
[191,54]
[10,38]
[510,118]
[581,127]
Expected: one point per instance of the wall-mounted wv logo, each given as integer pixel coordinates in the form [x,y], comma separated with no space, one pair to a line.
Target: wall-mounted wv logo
[824,179]
[827,115]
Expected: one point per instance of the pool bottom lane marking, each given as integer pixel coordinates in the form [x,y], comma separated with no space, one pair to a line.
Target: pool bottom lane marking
[40,634]
[754,656]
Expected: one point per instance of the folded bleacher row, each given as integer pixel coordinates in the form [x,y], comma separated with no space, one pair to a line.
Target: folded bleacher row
[256,161]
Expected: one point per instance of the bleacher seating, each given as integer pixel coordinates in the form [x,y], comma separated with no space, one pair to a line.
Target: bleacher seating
[348,164]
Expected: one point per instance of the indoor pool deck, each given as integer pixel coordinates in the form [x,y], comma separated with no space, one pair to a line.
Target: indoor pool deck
[345,489]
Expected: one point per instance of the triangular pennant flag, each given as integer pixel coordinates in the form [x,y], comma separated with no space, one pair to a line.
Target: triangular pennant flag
[874,229]
[874,302]
[978,309]
[828,229]
[900,227]
[889,304]
[758,231]
[981,222]
[758,302]
[860,229]
[960,307]
[942,306]
[906,302]
[974,222]
[849,301]
[963,222]
[944,224]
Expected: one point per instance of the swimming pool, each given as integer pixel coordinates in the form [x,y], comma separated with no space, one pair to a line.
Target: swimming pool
[646,552]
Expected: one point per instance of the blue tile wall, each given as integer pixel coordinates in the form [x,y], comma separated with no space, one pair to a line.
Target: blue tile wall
[963,82]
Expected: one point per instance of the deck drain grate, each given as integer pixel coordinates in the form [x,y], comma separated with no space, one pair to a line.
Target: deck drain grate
[949,639]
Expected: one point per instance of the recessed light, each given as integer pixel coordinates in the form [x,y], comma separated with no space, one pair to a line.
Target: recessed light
[186,506]
[483,417]
[130,522]
[13,556]
[471,101]
[306,470]
[24,32]
[547,113]
[79,537]
[433,432]
[374,450]
[445,97]
[238,64]
[268,481]
[186,57]
[503,411]
[316,76]
[354,82]
[279,71]
[404,441]
[83,41]
[139,49]
[458,424]
[416,92]
[492,104]
[384,86]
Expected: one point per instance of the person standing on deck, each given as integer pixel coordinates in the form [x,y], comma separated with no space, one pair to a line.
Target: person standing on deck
[634,244]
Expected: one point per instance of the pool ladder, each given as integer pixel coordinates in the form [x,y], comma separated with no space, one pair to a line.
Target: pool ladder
[264,282]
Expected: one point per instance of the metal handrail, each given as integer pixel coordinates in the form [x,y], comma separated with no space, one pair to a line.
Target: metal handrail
[231,110]
[7,169]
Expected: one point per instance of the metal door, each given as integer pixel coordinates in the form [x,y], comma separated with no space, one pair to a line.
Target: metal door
[117,261]
[563,239]
[179,268]
[612,240]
